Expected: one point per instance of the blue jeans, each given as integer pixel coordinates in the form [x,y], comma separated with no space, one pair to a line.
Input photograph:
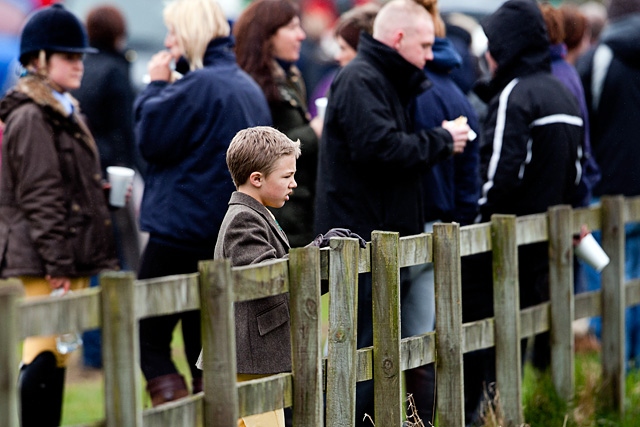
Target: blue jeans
[632,314]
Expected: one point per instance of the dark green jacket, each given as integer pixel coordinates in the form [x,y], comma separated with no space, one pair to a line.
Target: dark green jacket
[291,117]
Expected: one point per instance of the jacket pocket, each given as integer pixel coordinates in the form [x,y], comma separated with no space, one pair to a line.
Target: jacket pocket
[274,317]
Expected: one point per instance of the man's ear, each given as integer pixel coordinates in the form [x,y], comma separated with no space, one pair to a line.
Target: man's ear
[255,179]
[398,38]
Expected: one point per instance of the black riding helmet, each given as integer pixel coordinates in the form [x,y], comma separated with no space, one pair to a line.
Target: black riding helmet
[53,29]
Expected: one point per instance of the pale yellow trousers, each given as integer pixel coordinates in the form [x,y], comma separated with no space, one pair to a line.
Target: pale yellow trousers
[33,346]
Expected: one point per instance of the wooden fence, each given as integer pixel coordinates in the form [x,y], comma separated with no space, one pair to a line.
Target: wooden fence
[121,301]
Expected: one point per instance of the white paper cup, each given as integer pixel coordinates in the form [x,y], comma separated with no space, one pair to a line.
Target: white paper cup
[321,107]
[591,252]
[120,179]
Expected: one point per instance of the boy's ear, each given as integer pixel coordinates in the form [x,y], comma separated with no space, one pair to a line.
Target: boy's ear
[255,179]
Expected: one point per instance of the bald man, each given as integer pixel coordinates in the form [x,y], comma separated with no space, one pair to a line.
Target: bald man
[371,160]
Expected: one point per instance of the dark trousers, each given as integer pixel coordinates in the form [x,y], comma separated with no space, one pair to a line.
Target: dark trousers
[161,259]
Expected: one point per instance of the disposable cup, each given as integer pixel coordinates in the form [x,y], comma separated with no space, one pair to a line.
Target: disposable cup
[591,252]
[321,107]
[120,179]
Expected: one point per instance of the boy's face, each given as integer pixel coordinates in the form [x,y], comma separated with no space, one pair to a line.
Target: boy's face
[279,184]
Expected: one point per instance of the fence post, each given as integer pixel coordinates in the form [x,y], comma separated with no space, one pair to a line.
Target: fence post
[562,299]
[613,304]
[120,350]
[342,363]
[448,292]
[304,292]
[10,291]
[506,304]
[385,272]
[219,344]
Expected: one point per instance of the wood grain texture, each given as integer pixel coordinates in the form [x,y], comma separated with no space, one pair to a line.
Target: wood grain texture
[120,350]
[10,293]
[506,297]
[449,338]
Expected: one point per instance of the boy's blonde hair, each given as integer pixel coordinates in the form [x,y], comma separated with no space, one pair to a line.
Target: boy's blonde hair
[257,149]
[195,23]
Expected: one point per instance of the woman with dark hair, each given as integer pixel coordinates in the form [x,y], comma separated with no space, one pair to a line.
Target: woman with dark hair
[268,39]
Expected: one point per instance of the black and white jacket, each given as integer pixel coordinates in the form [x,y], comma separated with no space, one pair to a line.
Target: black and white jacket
[533,129]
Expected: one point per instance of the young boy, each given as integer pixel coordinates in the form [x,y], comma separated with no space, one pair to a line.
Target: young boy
[262,162]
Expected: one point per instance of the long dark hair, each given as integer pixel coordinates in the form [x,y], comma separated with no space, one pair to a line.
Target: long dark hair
[253,31]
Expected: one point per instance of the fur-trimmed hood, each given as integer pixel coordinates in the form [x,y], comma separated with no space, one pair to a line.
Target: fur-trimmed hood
[32,88]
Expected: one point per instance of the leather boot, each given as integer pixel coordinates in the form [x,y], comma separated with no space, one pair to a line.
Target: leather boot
[41,385]
[196,385]
[421,384]
[167,388]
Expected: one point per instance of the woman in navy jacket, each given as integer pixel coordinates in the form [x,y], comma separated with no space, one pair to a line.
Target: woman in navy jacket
[183,129]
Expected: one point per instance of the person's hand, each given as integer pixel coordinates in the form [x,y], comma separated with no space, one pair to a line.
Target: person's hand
[159,66]
[322,240]
[584,230]
[59,283]
[106,187]
[459,132]
[317,123]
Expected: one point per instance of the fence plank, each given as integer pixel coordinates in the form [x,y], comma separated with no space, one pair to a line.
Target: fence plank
[478,335]
[534,320]
[632,293]
[475,239]
[417,351]
[415,250]
[632,209]
[385,271]
[167,295]
[120,350]
[10,291]
[561,299]
[448,291]
[74,312]
[184,412]
[588,304]
[219,344]
[531,229]
[265,394]
[342,362]
[506,305]
[304,278]
[262,280]
[613,303]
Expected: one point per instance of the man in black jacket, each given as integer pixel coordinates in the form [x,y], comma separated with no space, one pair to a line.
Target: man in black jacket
[370,159]
[531,162]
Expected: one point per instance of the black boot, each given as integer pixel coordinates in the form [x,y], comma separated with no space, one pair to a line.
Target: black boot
[41,385]
[421,384]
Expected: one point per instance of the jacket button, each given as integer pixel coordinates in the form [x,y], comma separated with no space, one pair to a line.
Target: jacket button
[75,207]
[72,229]
[107,222]
[97,177]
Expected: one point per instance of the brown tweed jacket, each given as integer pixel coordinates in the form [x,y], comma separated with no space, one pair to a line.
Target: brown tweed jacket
[249,234]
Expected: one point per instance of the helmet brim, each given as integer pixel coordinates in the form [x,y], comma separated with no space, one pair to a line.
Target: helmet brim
[67,49]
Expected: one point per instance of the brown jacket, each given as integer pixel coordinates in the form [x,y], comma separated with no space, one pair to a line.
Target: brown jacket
[54,217]
[249,235]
